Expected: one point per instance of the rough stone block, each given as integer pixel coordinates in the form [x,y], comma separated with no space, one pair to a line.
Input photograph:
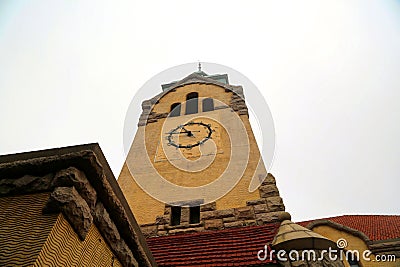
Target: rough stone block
[229,219]
[233,224]
[263,218]
[74,207]
[268,191]
[206,215]
[244,213]
[185,214]
[270,179]
[186,230]
[162,233]
[262,208]
[208,207]
[213,224]
[73,177]
[162,219]
[255,202]
[275,204]
[150,230]
[250,222]
[224,213]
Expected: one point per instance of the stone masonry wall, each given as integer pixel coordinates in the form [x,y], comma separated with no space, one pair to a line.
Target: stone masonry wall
[264,210]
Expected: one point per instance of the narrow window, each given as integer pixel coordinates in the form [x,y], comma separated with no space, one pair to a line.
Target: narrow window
[194,214]
[192,105]
[208,104]
[175,215]
[175,110]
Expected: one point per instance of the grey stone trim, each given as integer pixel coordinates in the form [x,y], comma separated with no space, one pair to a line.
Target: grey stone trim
[187,203]
[79,179]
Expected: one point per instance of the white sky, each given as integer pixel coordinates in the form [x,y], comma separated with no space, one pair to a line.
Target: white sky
[329,70]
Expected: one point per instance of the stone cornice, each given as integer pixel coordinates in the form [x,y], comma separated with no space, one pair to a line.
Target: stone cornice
[84,189]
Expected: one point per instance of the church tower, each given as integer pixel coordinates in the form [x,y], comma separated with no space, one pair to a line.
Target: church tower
[194,161]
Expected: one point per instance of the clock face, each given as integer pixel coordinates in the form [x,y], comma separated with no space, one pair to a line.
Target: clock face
[189,135]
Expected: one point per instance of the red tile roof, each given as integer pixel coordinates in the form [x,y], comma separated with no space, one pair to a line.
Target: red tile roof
[375,227]
[229,247]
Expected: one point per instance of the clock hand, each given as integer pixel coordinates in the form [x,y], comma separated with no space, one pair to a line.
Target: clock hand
[183,128]
[178,133]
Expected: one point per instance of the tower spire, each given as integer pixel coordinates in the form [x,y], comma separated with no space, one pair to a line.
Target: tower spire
[199,67]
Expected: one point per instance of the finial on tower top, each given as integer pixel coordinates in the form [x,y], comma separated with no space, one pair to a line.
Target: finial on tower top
[199,66]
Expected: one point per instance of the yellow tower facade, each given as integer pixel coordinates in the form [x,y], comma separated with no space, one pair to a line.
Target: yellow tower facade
[194,161]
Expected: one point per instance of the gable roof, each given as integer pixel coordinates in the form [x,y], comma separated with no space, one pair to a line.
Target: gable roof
[229,247]
[80,176]
[374,227]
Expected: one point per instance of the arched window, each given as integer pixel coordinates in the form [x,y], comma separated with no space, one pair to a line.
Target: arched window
[175,110]
[192,105]
[208,104]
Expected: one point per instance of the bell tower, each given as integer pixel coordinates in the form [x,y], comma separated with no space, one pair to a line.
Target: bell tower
[194,159]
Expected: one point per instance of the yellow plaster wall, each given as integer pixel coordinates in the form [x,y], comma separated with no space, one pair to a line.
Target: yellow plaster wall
[64,248]
[354,243]
[144,207]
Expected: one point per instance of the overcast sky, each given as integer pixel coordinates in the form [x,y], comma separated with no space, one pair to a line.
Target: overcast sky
[329,71]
